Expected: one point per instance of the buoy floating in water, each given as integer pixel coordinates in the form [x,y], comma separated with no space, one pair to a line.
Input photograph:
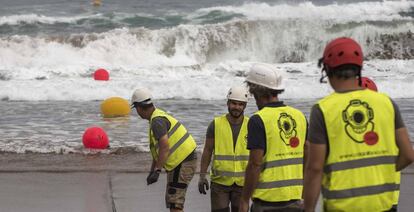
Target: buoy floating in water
[96,3]
[95,138]
[115,107]
[101,74]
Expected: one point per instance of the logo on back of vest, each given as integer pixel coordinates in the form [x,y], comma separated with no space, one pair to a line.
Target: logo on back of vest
[359,127]
[287,130]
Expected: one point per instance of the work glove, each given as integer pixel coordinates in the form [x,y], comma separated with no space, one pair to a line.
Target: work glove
[203,184]
[153,176]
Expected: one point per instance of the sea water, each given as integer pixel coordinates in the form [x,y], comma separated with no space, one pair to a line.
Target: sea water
[57,126]
[187,52]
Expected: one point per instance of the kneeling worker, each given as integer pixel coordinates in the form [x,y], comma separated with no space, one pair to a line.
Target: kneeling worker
[172,147]
[226,141]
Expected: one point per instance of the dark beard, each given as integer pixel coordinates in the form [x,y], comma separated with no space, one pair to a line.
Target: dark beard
[235,113]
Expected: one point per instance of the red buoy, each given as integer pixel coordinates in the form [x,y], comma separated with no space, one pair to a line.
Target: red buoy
[101,74]
[95,138]
[368,83]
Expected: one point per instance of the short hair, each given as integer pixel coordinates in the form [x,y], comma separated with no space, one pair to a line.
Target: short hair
[261,91]
[345,71]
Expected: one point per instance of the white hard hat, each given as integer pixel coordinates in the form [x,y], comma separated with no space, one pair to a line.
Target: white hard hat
[142,96]
[238,93]
[266,76]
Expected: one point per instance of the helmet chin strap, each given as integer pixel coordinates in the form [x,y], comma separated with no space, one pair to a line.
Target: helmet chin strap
[323,71]
[323,76]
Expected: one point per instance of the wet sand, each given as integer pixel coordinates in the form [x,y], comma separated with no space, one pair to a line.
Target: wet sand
[102,182]
[35,162]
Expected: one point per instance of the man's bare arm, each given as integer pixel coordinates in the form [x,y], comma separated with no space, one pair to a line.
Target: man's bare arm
[406,152]
[163,151]
[313,175]
[206,156]
[252,174]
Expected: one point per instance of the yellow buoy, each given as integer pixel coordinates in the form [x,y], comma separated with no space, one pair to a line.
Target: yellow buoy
[96,3]
[115,107]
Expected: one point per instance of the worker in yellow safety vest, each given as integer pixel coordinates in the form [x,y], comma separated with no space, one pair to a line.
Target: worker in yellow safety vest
[171,146]
[358,141]
[276,140]
[226,142]
[370,84]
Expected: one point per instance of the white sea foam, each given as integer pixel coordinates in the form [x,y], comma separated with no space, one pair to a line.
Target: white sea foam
[362,11]
[393,77]
[202,61]
[38,18]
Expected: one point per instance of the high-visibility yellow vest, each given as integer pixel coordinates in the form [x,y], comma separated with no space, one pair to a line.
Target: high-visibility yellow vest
[180,142]
[281,178]
[397,192]
[359,172]
[229,161]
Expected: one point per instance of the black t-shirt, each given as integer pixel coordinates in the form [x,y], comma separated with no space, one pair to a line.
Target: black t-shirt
[256,136]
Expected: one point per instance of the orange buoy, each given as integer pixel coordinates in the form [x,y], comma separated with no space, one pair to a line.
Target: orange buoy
[95,138]
[115,107]
[101,74]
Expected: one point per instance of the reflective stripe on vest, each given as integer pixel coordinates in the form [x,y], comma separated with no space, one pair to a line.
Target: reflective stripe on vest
[281,178]
[359,172]
[171,132]
[232,157]
[227,174]
[279,184]
[356,192]
[282,162]
[180,142]
[229,161]
[360,163]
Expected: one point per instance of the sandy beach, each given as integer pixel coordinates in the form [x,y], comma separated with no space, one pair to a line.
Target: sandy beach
[102,182]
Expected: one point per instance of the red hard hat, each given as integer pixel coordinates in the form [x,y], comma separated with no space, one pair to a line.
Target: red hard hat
[342,51]
[368,83]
